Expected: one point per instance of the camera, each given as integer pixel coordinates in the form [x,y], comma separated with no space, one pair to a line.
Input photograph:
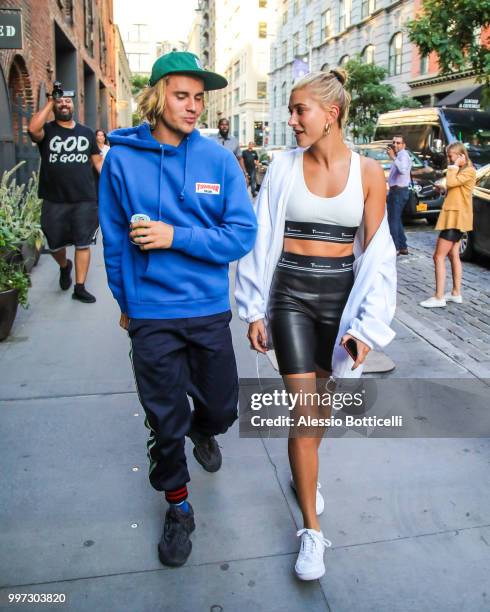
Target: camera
[390,146]
[58,92]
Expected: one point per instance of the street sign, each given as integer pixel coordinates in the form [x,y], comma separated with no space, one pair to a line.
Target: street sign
[10,29]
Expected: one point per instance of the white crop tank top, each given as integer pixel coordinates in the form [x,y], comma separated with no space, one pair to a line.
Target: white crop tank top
[345,209]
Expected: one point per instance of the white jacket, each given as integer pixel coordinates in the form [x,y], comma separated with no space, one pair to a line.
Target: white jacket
[371,304]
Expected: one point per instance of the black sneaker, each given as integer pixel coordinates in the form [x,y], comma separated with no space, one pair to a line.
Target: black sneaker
[82,295]
[206,450]
[175,546]
[65,275]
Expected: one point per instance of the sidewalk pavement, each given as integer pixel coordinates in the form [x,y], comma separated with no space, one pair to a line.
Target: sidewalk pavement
[409,518]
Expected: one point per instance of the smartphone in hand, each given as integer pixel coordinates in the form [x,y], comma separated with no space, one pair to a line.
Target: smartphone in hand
[351,347]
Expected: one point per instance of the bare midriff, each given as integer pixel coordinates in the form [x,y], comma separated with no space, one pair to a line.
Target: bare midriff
[317,248]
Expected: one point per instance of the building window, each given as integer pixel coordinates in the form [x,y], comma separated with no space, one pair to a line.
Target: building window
[102,48]
[138,32]
[295,44]
[395,57]
[236,96]
[236,126]
[236,69]
[262,29]
[274,96]
[326,24]
[261,90]
[424,64]
[284,51]
[345,10]
[283,94]
[67,8]
[285,17]
[368,54]
[139,62]
[343,60]
[88,13]
[283,132]
[295,7]
[262,3]
[309,34]
[367,8]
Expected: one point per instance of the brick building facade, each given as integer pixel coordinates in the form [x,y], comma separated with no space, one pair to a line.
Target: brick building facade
[71,41]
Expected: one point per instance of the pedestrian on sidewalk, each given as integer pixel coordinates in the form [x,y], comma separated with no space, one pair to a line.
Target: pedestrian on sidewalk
[251,161]
[455,218]
[321,208]
[102,142]
[169,274]
[398,194]
[229,142]
[67,186]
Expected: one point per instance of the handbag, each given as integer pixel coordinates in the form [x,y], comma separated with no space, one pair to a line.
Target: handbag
[410,207]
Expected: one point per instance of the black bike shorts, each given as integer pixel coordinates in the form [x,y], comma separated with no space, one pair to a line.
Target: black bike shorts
[307,298]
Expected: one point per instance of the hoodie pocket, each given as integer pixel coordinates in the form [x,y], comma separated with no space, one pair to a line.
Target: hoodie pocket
[171,276]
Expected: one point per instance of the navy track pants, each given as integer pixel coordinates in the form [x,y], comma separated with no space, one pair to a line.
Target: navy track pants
[174,358]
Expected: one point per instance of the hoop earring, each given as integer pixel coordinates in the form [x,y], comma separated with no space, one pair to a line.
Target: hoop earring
[328,127]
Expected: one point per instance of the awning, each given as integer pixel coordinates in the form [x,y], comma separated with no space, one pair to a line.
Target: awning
[466,97]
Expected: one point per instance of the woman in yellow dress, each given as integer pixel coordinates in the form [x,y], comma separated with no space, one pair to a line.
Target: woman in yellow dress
[455,218]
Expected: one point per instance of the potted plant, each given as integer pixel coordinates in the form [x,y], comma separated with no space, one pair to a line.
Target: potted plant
[30,221]
[14,285]
[21,236]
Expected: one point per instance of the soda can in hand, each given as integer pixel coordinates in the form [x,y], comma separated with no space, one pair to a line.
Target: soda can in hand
[135,219]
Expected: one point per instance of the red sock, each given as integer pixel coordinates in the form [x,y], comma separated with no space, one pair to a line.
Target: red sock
[177,495]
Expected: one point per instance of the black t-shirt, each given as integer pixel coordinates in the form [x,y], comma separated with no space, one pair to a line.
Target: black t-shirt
[249,159]
[66,171]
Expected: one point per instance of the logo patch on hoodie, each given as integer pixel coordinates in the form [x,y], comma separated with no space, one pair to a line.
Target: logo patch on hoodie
[211,188]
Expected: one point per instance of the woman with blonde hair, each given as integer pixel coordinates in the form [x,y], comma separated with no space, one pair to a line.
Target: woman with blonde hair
[320,283]
[455,218]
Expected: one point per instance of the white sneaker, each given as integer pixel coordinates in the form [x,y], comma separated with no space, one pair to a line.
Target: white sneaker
[320,502]
[310,565]
[449,297]
[433,302]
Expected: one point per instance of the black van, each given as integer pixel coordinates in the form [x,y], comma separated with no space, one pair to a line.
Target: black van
[427,132]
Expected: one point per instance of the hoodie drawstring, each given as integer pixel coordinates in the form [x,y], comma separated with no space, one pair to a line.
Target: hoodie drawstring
[181,195]
[162,155]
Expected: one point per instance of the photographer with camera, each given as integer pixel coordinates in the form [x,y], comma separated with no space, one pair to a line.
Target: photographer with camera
[398,194]
[67,186]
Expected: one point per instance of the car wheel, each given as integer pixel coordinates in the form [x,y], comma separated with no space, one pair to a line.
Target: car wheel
[466,250]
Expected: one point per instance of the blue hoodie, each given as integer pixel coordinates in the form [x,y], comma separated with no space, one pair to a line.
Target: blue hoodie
[199,188]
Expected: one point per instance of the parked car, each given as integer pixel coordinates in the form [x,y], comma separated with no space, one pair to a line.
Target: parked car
[428,131]
[423,176]
[478,241]
[207,132]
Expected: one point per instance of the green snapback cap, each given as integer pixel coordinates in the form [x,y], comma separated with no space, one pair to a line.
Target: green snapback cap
[183,62]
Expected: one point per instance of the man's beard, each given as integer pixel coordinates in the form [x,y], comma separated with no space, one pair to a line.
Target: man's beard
[224,133]
[64,115]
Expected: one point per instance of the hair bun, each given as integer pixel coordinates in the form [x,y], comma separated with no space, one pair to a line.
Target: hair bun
[340,74]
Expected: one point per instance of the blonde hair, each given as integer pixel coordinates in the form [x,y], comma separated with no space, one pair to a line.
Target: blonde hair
[461,150]
[151,102]
[329,88]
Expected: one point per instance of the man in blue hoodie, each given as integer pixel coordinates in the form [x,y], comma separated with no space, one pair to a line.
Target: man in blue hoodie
[170,276]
